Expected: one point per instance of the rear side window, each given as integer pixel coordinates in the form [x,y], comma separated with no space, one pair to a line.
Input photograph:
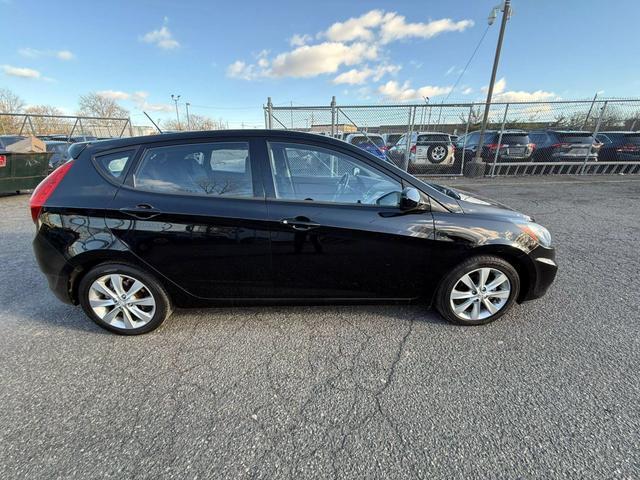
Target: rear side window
[209,169]
[114,164]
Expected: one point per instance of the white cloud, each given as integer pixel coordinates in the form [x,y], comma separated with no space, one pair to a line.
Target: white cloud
[353,76]
[395,27]
[298,40]
[357,28]
[327,57]
[113,94]
[467,91]
[21,72]
[392,90]
[501,94]
[162,37]
[35,53]
[382,70]
[242,70]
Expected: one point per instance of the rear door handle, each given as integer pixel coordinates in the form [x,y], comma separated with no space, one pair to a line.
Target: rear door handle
[141,211]
[299,223]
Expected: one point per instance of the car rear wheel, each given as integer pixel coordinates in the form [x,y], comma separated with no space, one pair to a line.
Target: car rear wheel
[479,291]
[124,299]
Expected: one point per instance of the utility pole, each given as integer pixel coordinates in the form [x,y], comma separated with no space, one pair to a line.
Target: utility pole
[187,105]
[506,10]
[175,98]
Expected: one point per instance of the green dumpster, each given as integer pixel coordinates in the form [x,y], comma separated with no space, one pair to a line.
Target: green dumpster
[22,171]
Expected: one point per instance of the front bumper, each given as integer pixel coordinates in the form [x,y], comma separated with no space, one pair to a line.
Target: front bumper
[544,272]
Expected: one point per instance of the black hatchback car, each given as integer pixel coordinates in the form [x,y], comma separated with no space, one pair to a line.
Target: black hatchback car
[132,228]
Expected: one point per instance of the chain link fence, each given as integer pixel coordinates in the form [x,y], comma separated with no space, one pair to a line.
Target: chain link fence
[64,126]
[522,138]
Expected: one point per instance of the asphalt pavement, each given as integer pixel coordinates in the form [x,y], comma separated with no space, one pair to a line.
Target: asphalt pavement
[552,390]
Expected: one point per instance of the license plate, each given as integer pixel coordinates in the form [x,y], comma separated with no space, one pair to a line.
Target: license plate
[515,151]
[579,151]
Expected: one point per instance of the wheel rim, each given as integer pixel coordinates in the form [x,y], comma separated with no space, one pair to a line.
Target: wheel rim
[438,153]
[122,301]
[480,294]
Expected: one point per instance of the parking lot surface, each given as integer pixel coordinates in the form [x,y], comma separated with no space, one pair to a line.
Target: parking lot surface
[550,391]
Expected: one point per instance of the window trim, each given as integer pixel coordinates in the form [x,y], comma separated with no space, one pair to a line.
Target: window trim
[255,165]
[270,192]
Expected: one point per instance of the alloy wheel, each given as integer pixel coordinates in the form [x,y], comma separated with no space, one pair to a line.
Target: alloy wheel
[479,294]
[122,301]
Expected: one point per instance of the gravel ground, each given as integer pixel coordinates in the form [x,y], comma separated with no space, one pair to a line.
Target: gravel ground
[550,391]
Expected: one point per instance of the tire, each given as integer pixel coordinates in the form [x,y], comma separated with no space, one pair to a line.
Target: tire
[501,299]
[143,311]
[435,154]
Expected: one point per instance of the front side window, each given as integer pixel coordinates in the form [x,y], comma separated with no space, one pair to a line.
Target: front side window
[211,169]
[316,174]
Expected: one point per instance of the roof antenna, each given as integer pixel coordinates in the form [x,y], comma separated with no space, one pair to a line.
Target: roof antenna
[151,120]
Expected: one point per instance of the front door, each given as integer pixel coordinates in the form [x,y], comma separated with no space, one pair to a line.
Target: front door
[196,213]
[336,229]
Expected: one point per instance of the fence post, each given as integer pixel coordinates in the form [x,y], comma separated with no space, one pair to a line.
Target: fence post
[269,113]
[130,127]
[407,152]
[23,124]
[495,158]
[595,132]
[464,142]
[333,116]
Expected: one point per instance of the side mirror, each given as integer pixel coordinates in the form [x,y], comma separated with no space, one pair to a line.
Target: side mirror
[410,199]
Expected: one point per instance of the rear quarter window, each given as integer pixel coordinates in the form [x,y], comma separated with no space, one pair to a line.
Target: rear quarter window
[113,164]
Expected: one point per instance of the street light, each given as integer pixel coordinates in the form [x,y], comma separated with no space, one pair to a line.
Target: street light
[175,98]
[506,13]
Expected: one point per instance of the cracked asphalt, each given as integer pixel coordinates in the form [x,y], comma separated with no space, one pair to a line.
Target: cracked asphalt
[550,391]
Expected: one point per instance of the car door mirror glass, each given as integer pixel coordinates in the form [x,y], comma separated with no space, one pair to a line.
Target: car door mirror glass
[410,199]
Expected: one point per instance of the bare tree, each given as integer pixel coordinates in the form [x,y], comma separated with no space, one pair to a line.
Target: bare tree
[197,122]
[47,125]
[94,105]
[10,103]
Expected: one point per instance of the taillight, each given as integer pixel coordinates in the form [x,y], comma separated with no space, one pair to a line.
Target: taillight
[630,147]
[532,146]
[413,149]
[3,160]
[561,145]
[494,146]
[46,187]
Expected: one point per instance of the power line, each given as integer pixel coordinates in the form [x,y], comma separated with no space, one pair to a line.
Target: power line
[468,63]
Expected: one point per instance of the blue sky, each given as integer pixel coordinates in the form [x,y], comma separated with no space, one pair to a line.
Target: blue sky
[225,58]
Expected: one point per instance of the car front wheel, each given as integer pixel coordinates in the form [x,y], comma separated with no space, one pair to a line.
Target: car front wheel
[479,291]
[123,299]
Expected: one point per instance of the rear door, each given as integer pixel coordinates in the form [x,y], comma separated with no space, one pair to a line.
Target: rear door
[336,229]
[196,214]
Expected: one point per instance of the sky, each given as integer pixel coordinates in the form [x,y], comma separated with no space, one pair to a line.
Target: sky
[226,58]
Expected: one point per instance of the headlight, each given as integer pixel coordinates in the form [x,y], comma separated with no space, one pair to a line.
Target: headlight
[538,233]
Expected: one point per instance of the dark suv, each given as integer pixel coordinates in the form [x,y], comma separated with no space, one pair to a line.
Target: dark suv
[564,146]
[514,146]
[132,228]
[619,146]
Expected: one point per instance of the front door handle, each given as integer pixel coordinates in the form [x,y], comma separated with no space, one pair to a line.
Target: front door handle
[299,223]
[142,211]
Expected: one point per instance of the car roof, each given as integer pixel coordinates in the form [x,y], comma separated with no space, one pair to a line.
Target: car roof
[554,130]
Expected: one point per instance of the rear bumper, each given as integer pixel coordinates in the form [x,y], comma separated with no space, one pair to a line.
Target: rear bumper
[545,269]
[55,268]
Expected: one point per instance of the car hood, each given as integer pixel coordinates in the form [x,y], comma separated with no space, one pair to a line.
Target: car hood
[472,203]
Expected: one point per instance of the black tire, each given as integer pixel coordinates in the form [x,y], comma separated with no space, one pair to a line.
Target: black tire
[443,304]
[431,150]
[163,307]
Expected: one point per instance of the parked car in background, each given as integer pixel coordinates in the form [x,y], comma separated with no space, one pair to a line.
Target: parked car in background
[6,140]
[425,149]
[619,146]
[514,146]
[59,153]
[172,221]
[564,146]
[390,139]
[371,142]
